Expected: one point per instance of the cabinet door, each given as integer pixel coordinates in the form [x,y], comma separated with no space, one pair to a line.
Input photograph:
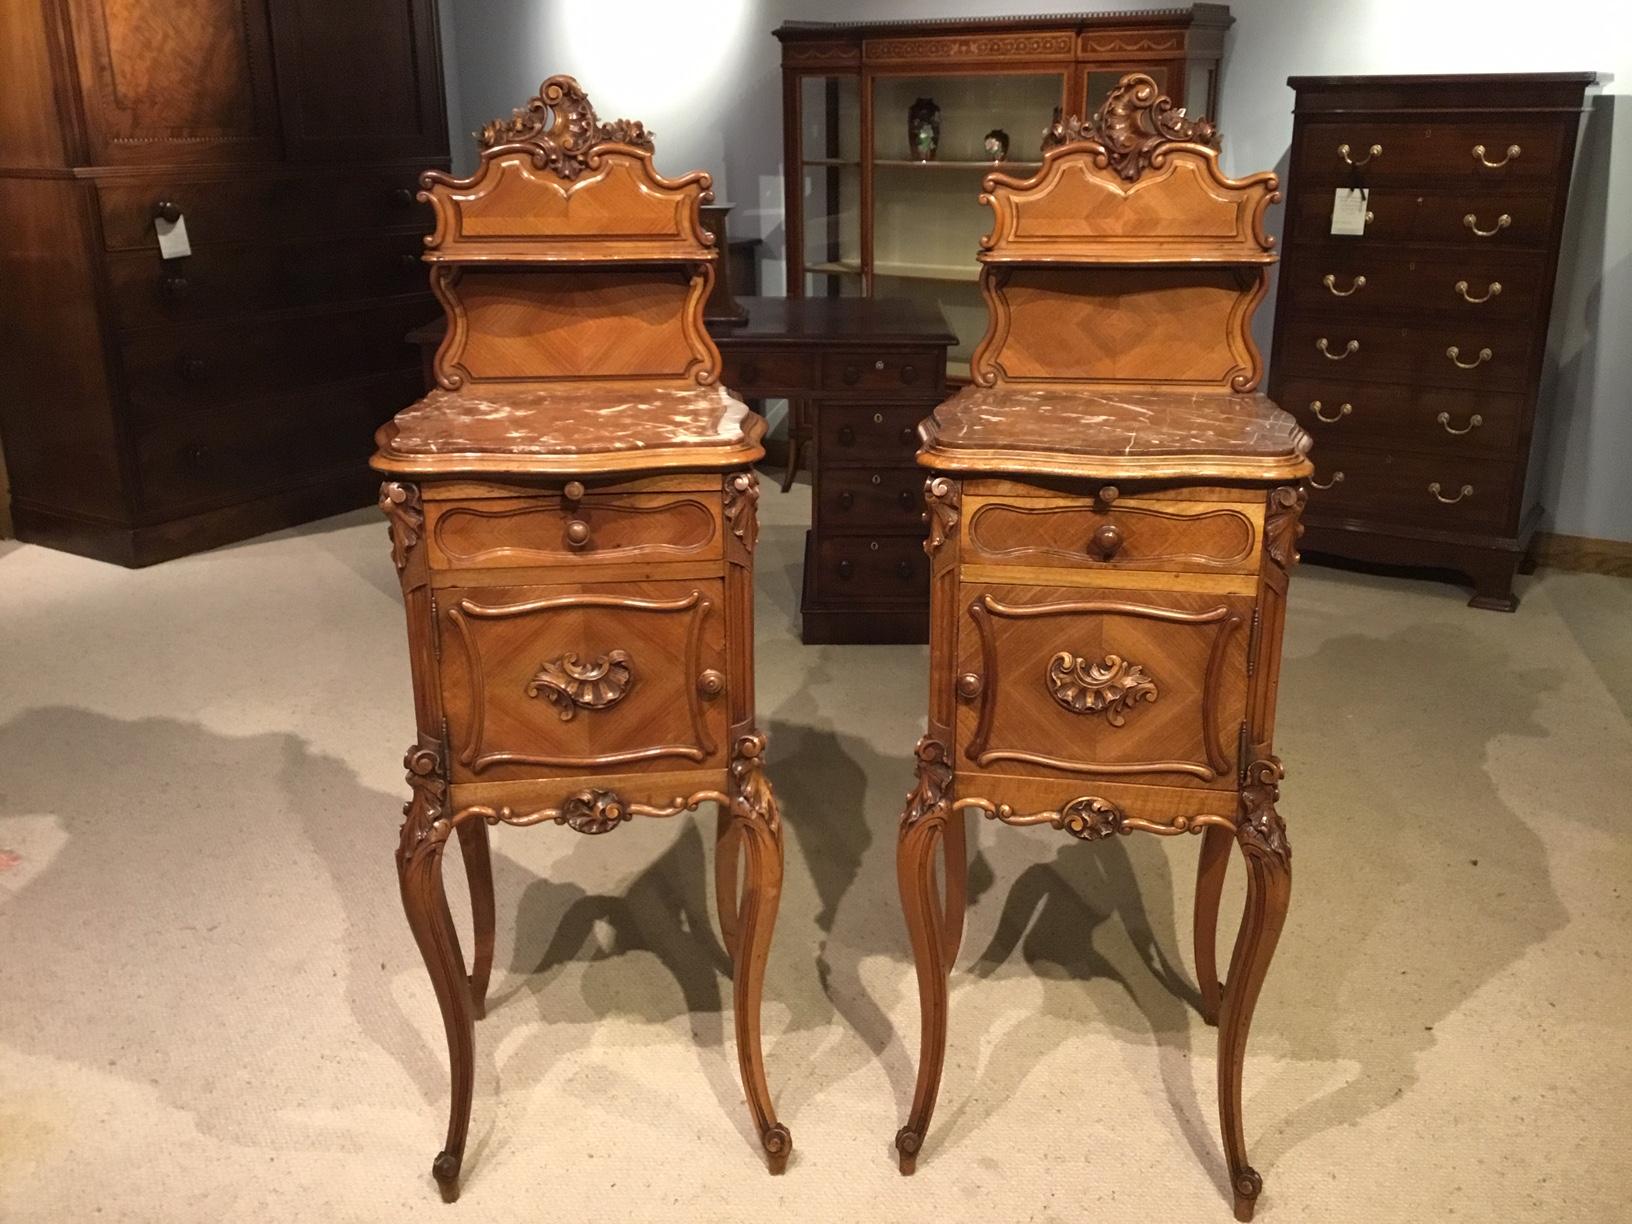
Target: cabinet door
[167,81]
[360,79]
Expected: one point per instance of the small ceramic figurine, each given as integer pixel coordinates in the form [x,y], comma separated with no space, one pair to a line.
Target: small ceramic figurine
[924,129]
[997,145]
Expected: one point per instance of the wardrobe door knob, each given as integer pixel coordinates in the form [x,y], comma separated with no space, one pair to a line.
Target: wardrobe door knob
[193,368]
[402,197]
[847,435]
[846,568]
[852,375]
[904,569]
[167,211]
[846,500]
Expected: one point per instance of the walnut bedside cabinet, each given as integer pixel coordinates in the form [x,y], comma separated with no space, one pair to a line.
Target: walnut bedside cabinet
[1113,512]
[573,521]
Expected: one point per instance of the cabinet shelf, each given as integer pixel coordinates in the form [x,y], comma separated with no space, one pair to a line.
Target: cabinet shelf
[1005,166]
[904,270]
[831,162]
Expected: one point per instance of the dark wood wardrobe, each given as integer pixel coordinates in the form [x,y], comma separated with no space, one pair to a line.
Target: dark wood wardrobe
[157,406]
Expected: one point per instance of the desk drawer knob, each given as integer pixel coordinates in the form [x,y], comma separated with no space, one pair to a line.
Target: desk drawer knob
[193,368]
[402,197]
[846,568]
[1107,495]
[577,533]
[903,570]
[847,435]
[176,287]
[852,375]
[908,436]
[167,211]
[1107,540]
[573,491]
[905,497]
[908,374]
[846,500]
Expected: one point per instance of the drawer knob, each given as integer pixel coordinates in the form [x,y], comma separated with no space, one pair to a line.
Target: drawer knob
[402,197]
[1107,494]
[846,500]
[1106,540]
[408,262]
[1467,491]
[1455,354]
[573,491]
[1479,156]
[1474,422]
[908,374]
[193,368]
[904,570]
[711,684]
[906,499]
[846,568]
[750,372]
[1492,290]
[908,436]
[1472,223]
[847,435]
[852,375]
[1343,410]
[167,211]
[1324,345]
[195,455]
[577,533]
[1337,479]
[176,286]
[1330,281]
[1343,151]
[969,685]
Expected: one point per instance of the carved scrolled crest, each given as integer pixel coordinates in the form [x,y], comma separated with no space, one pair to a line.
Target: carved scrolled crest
[406,512]
[1261,830]
[1283,524]
[1111,687]
[569,684]
[928,797]
[562,128]
[742,507]
[942,500]
[1132,127]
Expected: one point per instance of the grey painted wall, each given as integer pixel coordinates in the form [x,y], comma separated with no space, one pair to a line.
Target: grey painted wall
[705,78]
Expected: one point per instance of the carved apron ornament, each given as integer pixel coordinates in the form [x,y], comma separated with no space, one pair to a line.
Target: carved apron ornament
[1111,687]
[569,685]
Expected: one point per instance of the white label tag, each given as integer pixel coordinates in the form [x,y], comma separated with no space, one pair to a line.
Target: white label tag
[173,242]
[1349,210]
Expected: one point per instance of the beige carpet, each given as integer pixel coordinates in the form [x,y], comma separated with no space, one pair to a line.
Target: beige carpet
[211,1008]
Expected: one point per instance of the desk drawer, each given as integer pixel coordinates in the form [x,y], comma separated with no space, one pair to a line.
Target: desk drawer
[874,436]
[1428,152]
[1399,415]
[1130,533]
[869,371]
[1475,356]
[1404,214]
[860,499]
[753,373]
[570,678]
[1122,684]
[1449,493]
[882,569]
[1470,287]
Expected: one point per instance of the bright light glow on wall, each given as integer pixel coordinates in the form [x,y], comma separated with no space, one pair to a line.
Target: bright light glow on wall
[648,58]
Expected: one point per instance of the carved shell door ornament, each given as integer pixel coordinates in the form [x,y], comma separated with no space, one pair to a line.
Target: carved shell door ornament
[568,684]
[1110,687]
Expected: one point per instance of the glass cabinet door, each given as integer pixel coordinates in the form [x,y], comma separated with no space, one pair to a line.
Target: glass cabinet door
[830,185]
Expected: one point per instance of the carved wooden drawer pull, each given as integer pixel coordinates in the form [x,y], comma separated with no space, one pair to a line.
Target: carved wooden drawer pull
[569,685]
[711,684]
[1455,354]
[1330,281]
[1343,410]
[1479,156]
[1324,345]
[970,685]
[1111,687]
[1467,491]
[1472,222]
[1492,290]
[577,533]
[1106,540]
[1474,422]
[1376,150]
[1337,478]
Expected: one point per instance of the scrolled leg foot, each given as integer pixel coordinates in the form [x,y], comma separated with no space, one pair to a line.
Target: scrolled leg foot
[1248,1185]
[446,1171]
[907,1143]
[778,1145]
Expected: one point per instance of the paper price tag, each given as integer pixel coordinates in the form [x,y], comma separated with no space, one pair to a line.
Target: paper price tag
[173,242]
[1349,210]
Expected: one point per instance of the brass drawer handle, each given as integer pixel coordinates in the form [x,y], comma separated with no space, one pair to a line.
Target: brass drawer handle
[1330,281]
[1337,478]
[1455,354]
[1374,151]
[1472,222]
[1343,410]
[1323,344]
[1479,156]
[1493,290]
[1467,491]
[1474,422]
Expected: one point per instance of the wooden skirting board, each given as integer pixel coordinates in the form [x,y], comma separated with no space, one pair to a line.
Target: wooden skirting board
[1584,554]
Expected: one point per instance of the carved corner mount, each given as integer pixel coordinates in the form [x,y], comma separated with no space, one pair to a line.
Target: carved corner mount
[569,684]
[1261,830]
[403,507]
[562,129]
[1133,126]
[1111,687]
[742,507]
[752,799]
[1283,524]
[942,500]
[928,797]
[425,814]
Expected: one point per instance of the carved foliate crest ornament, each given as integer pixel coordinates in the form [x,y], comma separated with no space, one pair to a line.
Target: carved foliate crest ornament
[1131,127]
[742,507]
[562,128]
[569,684]
[1111,687]
[941,501]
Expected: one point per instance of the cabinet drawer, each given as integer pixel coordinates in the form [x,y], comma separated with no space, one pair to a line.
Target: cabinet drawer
[1109,683]
[1130,533]
[568,678]
[222,281]
[595,528]
[217,458]
[1429,152]
[1450,493]
[883,569]
[862,499]
[195,366]
[1472,356]
[1402,214]
[1469,287]
[850,435]
[261,209]
[760,372]
[866,371]
[1417,418]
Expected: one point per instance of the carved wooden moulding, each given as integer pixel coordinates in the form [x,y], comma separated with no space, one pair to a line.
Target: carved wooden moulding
[1111,687]
[1132,126]
[561,126]
[569,684]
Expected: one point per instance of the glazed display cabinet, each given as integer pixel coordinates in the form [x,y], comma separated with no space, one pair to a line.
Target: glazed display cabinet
[890,127]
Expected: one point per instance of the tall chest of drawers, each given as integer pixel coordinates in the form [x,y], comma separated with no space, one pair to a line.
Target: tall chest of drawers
[160,402]
[1413,350]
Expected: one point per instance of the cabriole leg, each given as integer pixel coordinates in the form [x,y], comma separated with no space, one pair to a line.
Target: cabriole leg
[477,854]
[1210,872]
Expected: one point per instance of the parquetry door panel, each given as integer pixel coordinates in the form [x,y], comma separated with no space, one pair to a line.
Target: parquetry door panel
[1102,682]
[585,676]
